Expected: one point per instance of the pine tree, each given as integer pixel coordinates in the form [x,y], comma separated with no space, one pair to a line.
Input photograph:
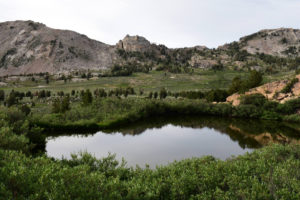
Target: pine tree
[12,99]
[87,97]
[150,95]
[65,104]
[56,106]
[163,93]
[2,95]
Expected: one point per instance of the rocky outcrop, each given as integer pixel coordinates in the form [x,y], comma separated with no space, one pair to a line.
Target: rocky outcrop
[198,61]
[281,42]
[272,91]
[134,43]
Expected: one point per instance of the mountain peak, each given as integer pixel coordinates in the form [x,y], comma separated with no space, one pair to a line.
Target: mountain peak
[283,42]
[31,47]
[134,43]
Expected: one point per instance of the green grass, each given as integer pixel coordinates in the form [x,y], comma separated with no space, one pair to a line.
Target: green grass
[153,81]
[278,76]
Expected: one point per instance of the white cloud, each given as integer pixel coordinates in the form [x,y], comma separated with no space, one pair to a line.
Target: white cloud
[176,23]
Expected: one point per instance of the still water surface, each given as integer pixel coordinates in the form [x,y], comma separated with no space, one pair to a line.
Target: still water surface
[158,142]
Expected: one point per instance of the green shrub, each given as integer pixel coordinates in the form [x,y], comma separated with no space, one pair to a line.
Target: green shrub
[221,110]
[61,105]
[270,106]
[289,107]
[163,93]
[87,97]
[289,86]
[25,109]
[190,94]
[254,79]
[11,141]
[268,173]
[11,99]
[247,111]
[238,85]
[13,116]
[253,99]
[2,95]
[292,118]
[216,95]
[271,115]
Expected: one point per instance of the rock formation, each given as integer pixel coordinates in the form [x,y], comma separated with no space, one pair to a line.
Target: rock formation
[283,42]
[272,91]
[134,43]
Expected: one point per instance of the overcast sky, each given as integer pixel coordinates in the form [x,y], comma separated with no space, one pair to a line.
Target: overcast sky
[175,23]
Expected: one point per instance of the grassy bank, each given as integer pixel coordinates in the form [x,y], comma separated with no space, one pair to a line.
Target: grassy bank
[106,113]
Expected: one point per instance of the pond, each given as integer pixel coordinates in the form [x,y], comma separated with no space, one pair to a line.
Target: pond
[161,141]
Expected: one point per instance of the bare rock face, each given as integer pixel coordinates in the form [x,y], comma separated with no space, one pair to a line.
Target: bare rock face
[201,48]
[272,91]
[281,42]
[29,47]
[198,61]
[234,99]
[134,43]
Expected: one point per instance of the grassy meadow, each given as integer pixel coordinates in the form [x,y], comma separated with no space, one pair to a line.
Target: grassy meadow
[202,80]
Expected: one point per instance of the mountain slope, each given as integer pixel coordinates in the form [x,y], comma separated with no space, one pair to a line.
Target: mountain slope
[282,42]
[29,47]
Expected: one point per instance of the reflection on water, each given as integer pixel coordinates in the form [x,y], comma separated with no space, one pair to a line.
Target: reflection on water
[159,141]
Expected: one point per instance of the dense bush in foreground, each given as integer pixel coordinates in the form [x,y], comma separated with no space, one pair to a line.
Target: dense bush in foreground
[270,173]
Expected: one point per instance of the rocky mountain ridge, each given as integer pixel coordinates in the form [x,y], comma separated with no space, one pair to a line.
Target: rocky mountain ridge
[282,42]
[27,47]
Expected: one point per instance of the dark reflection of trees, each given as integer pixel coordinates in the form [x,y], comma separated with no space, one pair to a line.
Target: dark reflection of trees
[248,133]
